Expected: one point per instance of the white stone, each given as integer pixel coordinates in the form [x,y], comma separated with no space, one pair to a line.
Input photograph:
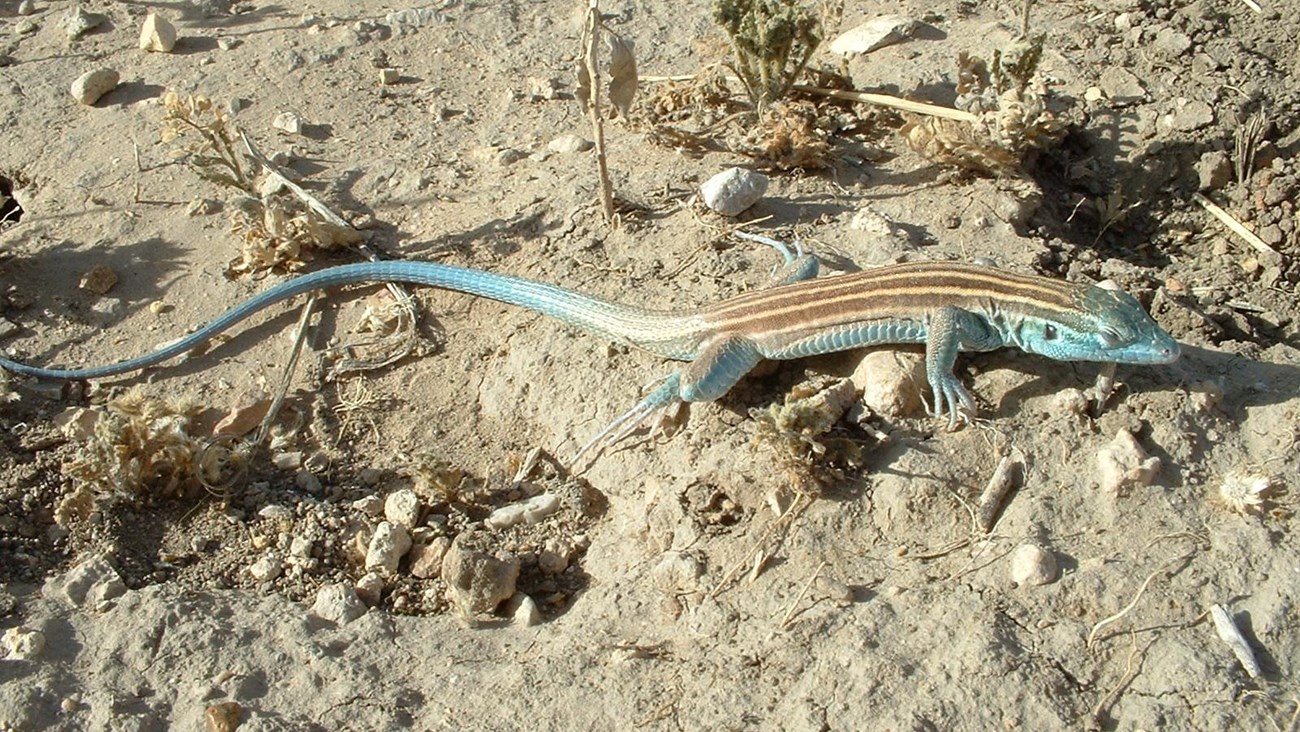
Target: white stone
[873,34]
[92,85]
[388,545]
[300,547]
[891,381]
[267,568]
[1123,465]
[22,643]
[523,611]
[287,122]
[530,511]
[370,588]
[338,603]
[733,190]
[77,22]
[88,584]
[388,77]
[403,507]
[570,143]
[1032,565]
[157,35]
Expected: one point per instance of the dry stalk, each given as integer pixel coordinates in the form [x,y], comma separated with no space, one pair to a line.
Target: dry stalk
[590,73]
[1246,143]
[794,605]
[1236,226]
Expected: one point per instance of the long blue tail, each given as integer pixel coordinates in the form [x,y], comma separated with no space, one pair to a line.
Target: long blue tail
[636,326]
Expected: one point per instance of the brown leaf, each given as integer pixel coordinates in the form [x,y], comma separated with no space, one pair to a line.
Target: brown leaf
[622,74]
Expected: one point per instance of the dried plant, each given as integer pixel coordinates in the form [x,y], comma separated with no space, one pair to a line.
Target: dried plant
[621,89]
[212,150]
[141,447]
[771,42]
[277,229]
[1010,101]
[799,433]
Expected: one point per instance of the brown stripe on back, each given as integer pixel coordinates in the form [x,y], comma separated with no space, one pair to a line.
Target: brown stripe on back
[896,291]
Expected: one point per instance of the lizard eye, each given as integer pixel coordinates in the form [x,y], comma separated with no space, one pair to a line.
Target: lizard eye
[1049,332]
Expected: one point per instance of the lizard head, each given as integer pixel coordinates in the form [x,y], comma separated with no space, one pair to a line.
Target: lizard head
[1106,325]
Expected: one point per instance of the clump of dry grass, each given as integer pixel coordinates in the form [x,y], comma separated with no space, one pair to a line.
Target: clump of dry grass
[1009,99]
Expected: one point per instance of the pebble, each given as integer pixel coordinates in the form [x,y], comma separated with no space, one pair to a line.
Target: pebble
[1032,565]
[733,190]
[677,572]
[873,34]
[287,122]
[884,237]
[99,280]
[888,380]
[107,307]
[27,7]
[388,77]
[287,460]
[404,21]
[1120,86]
[276,512]
[570,143]
[243,417]
[523,611]
[1214,170]
[1171,43]
[157,35]
[90,86]
[370,588]
[89,584]
[370,505]
[300,547]
[267,568]
[403,507]
[223,717]
[1123,465]
[1188,116]
[26,27]
[203,207]
[530,511]
[477,581]
[426,559]
[552,562]
[338,603]
[308,482]
[388,545]
[77,22]
[23,643]
[228,43]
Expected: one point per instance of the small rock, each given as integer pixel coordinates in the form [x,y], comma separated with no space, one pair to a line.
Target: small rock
[90,86]
[1214,170]
[276,512]
[228,43]
[403,507]
[89,584]
[509,156]
[27,7]
[570,143]
[267,568]
[552,562]
[1120,86]
[307,482]
[1171,43]
[1188,116]
[157,35]
[243,417]
[404,21]
[1032,565]
[477,581]
[223,717]
[1093,94]
[288,122]
[873,34]
[884,237]
[426,559]
[26,27]
[99,280]
[370,505]
[338,603]
[300,547]
[523,611]
[25,643]
[543,89]
[387,547]
[77,22]
[888,379]
[107,308]
[203,207]
[1123,465]
[370,588]
[531,511]
[733,190]
[388,77]
[677,572]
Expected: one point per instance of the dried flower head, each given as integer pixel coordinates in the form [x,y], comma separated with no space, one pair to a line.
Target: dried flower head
[1242,492]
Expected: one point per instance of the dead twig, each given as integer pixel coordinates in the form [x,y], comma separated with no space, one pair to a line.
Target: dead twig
[789,613]
[589,94]
[1236,226]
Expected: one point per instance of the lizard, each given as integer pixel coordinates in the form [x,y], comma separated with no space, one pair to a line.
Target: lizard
[949,307]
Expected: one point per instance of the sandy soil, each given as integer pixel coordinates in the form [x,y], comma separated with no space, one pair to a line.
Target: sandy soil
[691,580]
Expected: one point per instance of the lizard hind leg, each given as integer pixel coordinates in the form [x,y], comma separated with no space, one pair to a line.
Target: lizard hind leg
[719,366]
